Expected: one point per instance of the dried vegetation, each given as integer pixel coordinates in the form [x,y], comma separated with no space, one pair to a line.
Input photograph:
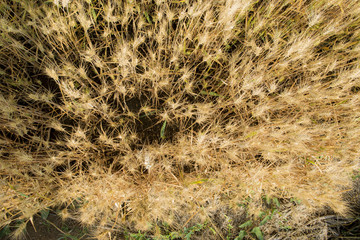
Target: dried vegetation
[133,113]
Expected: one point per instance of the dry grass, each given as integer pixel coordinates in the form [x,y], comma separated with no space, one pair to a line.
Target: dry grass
[137,112]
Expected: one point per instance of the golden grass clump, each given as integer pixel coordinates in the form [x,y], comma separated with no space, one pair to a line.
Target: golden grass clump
[131,113]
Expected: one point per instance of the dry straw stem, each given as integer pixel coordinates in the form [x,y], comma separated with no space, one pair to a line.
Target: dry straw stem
[135,112]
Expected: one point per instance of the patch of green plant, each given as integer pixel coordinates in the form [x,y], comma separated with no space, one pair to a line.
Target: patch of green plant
[9,229]
[136,236]
[251,227]
[188,232]
[356,175]
[44,213]
[162,131]
[68,234]
[295,200]
[5,232]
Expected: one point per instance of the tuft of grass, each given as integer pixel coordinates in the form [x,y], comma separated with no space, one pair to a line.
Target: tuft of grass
[130,113]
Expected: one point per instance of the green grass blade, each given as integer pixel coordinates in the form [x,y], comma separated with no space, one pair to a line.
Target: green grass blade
[258,233]
[162,131]
[246,224]
[241,235]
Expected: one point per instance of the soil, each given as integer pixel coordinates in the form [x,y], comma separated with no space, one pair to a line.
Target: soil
[53,228]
